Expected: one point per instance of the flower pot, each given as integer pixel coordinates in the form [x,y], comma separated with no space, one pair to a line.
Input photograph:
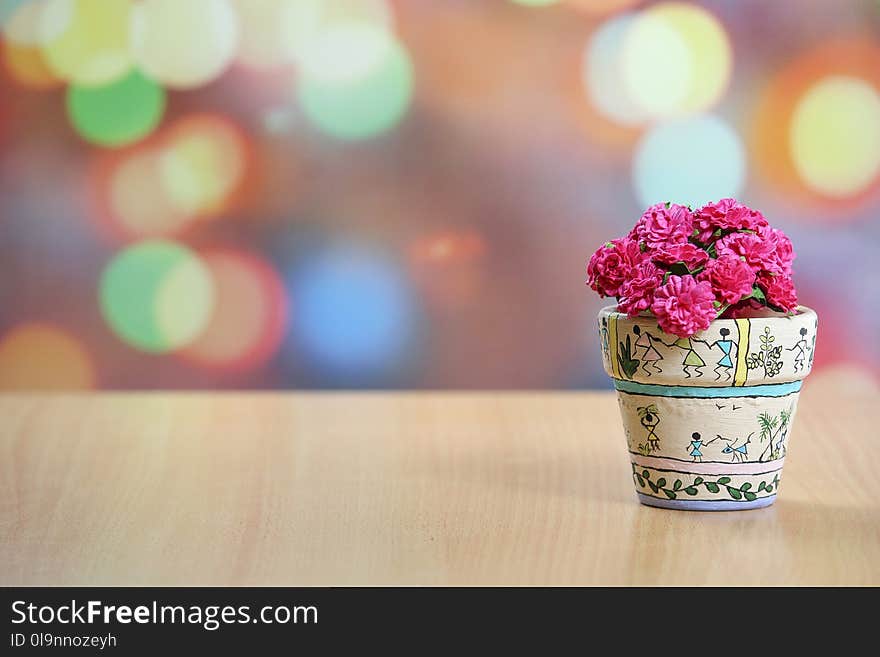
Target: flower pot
[708,418]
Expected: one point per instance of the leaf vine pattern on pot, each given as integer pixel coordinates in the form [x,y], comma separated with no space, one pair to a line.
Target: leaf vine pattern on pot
[720,486]
[767,357]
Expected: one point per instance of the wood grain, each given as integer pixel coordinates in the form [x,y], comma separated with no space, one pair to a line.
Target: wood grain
[332,489]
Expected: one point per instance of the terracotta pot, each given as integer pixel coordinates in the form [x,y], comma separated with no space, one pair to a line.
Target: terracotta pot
[708,419]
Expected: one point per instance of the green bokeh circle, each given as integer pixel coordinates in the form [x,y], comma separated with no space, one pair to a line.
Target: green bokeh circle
[132,287]
[362,108]
[116,114]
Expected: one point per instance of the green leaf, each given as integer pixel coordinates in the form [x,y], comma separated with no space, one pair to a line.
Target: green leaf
[723,480]
[653,486]
[661,482]
[734,493]
[712,487]
[698,481]
[677,484]
[690,490]
[746,486]
[762,486]
[645,474]
[640,480]
[751,497]
[769,488]
[669,493]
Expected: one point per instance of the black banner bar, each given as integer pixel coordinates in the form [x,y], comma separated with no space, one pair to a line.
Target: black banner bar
[123,620]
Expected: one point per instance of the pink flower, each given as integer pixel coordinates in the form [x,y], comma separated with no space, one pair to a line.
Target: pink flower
[637,293]
[692,256]
[731,278]
[684,306]
[757,250]
[610,266]
[783,252]
[779,290]
[660,226]
[726,214]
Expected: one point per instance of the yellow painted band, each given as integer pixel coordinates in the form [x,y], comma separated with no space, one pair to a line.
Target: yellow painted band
[742,349]
[612,345]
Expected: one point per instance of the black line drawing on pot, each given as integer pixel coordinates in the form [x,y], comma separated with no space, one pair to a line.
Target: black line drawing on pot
[801,347]
[696,442]
[651,355]
[691,357]
[726,345]
[737,447]
[649,418]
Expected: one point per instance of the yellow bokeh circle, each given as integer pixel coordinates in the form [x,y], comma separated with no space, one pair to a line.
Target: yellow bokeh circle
[670,60]
[93,48]
[834,136]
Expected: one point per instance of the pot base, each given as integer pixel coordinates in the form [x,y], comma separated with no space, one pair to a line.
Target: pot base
[706,505]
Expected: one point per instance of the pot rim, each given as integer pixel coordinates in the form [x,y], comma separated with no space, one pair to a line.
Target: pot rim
[802,312]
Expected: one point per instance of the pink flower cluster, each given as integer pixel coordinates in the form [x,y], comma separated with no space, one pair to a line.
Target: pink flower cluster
[690,267]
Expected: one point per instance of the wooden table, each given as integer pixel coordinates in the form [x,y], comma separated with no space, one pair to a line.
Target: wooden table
[331,489]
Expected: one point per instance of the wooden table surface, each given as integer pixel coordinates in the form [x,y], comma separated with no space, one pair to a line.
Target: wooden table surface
[333,489]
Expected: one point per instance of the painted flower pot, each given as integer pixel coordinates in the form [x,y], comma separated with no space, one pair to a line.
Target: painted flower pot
[708,418]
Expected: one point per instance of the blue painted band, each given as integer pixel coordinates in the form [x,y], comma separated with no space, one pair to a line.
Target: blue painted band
[706,505]
[769,390]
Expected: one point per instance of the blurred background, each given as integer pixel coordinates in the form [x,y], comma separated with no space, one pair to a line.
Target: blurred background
[404,194]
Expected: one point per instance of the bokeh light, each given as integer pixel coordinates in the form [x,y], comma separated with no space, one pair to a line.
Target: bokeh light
[157,295]
[35,22]
[835,136]
[356,81]
[837,187]
[93,48]
[27,66]
[508,144]
[275,32]
[184,44]
[118,113]
[710,57]
[249,313]
[134,196]
[448,268]
[202,163]
[36,356]
[353,312]
[669,60]
[602,70]
[689,161]
[264,41]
